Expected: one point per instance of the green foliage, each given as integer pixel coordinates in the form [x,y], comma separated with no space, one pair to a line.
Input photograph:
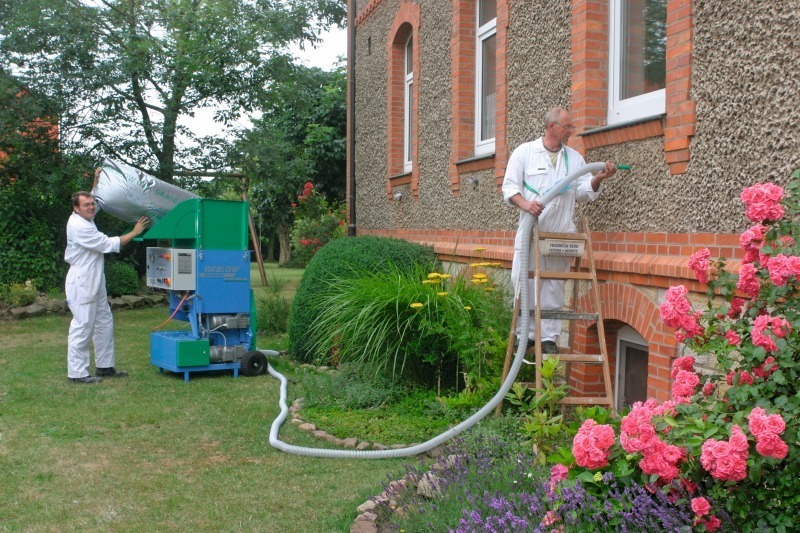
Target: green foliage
[348,387]
[425,326]
[121,279]
[18,294]
[273,307]
[341,259]
[543,424]
[300,137]
[316,223]
[36,181]
[734,433]
[125,74]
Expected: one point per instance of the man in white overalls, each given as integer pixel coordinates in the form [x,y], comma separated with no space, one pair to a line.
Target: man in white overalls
[85,288]
[533,169]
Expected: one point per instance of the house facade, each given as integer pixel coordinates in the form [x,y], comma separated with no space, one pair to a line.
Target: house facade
[699,97]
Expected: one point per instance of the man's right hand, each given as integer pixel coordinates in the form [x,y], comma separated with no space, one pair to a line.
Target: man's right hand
[142,224]
[534,207]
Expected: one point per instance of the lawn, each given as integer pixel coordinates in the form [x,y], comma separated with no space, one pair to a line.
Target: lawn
[153,453]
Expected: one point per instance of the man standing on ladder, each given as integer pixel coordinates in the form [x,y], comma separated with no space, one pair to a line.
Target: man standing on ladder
[533,168]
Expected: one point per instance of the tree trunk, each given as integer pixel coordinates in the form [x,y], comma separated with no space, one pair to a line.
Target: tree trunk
[271,246]
[285,245]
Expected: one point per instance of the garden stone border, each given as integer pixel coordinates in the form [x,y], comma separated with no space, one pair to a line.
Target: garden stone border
[375,507]
[45,306]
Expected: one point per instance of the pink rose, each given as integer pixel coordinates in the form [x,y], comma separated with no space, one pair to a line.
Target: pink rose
[558,474]
[708,388]
[699,264]
[700,506]
[748,282]
[771,445]
[732,337]
[591,445]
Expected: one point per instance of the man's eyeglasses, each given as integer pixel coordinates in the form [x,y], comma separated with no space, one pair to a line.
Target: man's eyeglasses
[566,127]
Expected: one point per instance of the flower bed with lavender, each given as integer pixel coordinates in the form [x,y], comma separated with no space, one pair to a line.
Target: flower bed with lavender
[721,455]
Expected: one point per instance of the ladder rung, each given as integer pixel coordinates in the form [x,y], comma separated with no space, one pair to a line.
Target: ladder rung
[550,274]
[567,315]
[588,400]
[562,236]
[580,358]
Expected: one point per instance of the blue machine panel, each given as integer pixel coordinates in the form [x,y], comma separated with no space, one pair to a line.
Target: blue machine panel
[223,281]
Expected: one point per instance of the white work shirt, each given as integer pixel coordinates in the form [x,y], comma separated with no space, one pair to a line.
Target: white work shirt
[85,248]
[530,164]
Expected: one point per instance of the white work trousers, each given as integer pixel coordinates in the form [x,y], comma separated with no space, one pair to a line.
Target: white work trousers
[91,322]
[552,293]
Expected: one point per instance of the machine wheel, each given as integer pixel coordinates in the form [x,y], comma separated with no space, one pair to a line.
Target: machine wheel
[253,364]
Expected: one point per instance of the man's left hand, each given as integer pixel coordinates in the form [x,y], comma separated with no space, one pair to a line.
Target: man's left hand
[606,173]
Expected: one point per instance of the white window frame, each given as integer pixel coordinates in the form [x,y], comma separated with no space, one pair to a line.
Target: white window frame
[408,87]
[629,109]
[626,337]
[485,146]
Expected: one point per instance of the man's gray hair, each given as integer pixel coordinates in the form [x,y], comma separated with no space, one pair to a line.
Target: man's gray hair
[554,115]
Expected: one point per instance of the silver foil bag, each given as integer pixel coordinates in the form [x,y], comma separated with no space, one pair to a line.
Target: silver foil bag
[128,193]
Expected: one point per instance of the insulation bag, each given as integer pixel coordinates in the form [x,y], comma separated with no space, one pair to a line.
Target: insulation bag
[128,193]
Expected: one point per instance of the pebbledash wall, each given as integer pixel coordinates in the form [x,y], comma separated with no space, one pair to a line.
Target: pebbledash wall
[732,119]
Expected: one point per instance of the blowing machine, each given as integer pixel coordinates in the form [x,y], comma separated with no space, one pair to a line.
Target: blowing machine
[203,260]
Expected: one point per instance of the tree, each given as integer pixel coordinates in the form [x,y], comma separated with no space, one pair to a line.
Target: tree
[300,137]
[36,181]
[126,71]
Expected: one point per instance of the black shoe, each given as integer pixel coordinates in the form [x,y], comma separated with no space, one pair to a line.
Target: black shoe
[549,347]
[86,380]
[110,372]
[517,339]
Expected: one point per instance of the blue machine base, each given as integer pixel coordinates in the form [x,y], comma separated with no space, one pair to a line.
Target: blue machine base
[205,368]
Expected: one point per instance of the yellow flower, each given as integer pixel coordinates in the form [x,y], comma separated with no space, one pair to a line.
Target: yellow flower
[479,275]
[468,308]
[479,250]
[434,275]
[416,305]
[475,265]
[487,289]
[446,276]
[429,281]
[495,264]
[443,293]
[598,477]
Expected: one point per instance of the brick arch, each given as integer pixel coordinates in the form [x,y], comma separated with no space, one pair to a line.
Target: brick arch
[406,24]
[630,305]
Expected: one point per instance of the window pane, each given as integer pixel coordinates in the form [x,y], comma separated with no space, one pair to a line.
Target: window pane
[487,11]
[410,56]
[488,64]
[644,35]
[407,126]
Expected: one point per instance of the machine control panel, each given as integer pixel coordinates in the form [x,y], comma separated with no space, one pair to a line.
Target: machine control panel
[172,268]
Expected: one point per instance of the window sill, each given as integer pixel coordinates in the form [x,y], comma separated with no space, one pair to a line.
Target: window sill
[621,125]
[472,164]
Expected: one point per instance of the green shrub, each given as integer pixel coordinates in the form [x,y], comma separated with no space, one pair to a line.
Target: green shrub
[430,328]
[19,294]
[273,308]
[340,259]
[121,278]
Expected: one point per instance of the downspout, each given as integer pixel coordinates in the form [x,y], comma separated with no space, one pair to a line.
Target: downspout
[351,117]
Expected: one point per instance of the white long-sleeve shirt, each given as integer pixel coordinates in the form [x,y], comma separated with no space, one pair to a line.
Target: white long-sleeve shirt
[531,173]
[85,248]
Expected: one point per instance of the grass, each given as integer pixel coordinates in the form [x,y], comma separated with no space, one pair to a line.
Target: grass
[153,453]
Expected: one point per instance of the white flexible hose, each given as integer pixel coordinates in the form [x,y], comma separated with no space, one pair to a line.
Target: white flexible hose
[525,227]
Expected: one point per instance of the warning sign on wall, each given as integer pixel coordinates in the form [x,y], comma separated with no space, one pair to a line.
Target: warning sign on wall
[561,248]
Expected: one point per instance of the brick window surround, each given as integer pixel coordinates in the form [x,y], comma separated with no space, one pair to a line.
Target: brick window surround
[463,80]
[590,27]
[405,25]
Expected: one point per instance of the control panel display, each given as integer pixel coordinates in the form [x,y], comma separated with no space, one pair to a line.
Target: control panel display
[172,268]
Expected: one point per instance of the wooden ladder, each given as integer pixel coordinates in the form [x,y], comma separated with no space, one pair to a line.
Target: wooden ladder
[577,274]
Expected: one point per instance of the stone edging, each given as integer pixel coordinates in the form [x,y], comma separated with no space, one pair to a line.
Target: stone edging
[45,306]
[428,485]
